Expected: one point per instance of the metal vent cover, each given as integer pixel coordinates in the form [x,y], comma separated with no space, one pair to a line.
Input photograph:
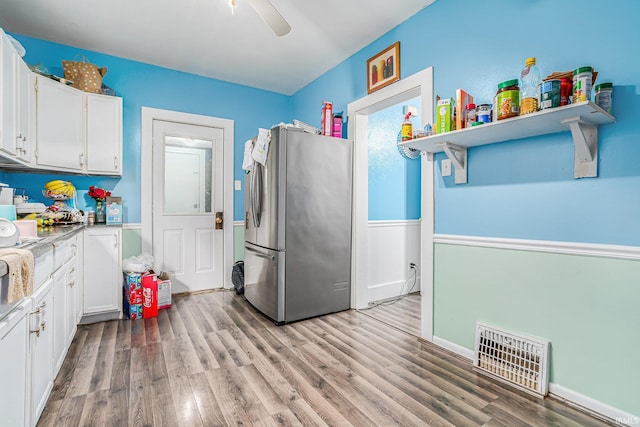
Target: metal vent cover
[517,359]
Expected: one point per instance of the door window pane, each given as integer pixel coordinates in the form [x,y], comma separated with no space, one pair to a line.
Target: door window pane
[187,175]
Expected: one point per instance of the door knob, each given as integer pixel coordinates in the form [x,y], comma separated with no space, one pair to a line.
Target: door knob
[219,220]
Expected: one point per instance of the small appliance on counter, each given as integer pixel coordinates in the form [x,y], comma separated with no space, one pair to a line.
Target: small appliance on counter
[6,194]
[9,233]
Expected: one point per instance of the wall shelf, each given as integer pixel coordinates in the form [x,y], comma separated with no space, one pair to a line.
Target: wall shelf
[582,119]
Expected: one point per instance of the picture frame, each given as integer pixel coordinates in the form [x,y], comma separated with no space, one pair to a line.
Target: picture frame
[383,68]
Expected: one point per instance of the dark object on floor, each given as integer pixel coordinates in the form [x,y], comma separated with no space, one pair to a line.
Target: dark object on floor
[237,277]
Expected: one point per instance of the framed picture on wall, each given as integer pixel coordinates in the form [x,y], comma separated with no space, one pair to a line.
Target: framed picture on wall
[383,68]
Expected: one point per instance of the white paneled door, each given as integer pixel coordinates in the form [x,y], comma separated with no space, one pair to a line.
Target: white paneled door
[187,193]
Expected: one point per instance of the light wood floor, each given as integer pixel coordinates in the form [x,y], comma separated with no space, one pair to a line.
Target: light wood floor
[403,314]
[212,360]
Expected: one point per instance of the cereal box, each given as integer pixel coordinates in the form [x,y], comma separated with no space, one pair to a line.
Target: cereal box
[445,115]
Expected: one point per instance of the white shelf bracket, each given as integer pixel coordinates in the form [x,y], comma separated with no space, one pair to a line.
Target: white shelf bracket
[585,140]
[458,156]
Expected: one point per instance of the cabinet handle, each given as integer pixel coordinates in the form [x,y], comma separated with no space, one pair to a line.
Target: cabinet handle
[115,162]
[43,325]
[43,305]
[115,240]
[81,159]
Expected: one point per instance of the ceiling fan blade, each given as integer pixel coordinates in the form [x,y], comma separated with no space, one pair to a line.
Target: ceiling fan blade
[271,16]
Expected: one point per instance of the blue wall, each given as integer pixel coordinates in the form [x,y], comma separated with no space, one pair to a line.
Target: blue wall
[394,181]
[521,189]
[150,86]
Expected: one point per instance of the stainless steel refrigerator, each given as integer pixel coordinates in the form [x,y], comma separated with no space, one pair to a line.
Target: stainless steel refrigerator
[298,226]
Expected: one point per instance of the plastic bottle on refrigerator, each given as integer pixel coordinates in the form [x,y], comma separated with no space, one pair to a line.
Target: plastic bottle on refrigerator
[530,80]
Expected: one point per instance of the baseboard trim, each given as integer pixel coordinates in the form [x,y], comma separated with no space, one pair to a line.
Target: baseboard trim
[385,291]
[568,248]
[592,405]
[395,223]
[453,347]
[132,226]
[556,390]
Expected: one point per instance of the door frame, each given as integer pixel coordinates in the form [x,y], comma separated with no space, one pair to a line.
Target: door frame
[146,154]
[418,84]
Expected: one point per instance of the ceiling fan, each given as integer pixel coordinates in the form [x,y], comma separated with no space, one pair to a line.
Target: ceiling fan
[269,15]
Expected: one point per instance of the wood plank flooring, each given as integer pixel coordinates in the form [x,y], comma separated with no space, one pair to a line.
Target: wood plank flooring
[403,314]
[212,360]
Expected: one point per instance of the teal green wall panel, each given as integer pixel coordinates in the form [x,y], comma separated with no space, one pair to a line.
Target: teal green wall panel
[238,243]
[586,306]
[131,242]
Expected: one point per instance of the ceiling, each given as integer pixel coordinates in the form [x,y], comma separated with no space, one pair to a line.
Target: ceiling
[203,37]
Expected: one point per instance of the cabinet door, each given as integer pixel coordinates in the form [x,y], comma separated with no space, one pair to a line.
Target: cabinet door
[59,124]
[14,366]
[8,58]
[70,324]
[23,121]
[78,254]
[59,318]
[41,325]
[104,134]
[102,271]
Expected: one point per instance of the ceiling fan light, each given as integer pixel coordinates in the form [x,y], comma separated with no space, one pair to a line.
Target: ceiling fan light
[232,3]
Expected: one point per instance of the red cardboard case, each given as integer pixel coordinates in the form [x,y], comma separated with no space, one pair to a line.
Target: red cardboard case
[150,295]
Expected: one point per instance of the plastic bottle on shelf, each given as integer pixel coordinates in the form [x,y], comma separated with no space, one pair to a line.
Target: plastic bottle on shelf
[407,128]
[530,80]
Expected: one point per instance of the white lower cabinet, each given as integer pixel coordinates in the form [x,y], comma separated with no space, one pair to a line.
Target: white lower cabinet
[41,348]
[102,272]
[80,277]
[59,318]
[14,366]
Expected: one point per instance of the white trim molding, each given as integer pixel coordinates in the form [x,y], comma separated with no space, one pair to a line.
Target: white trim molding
[567,248]
[395,223]
[418,84]
[569,396]
[593,405]
[148,115]
[132,226]
[454,348]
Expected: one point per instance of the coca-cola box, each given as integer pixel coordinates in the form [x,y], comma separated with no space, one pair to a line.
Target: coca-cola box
[150,295]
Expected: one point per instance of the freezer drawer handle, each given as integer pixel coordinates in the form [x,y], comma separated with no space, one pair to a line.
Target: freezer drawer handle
[260,254]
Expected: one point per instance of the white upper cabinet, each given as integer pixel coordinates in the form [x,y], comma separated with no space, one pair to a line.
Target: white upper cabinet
[60,126]
[104,134]
[24,101]
[48,126]
[8,68]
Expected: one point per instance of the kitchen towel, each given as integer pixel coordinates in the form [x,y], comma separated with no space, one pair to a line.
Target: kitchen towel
[247,160]
[261,148]
[20,265]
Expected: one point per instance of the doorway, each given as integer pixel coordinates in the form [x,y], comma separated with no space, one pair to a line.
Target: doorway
[416,85]
[186,186]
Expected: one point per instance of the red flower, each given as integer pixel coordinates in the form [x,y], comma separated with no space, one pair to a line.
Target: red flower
[98,193]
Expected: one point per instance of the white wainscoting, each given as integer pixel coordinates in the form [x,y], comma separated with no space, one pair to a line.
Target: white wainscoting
[392,246]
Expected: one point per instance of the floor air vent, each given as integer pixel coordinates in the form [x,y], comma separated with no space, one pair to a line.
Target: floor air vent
[517,359]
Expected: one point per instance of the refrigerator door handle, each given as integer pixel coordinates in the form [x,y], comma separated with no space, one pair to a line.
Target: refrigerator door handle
[258,188]
[260,254]
[252,201]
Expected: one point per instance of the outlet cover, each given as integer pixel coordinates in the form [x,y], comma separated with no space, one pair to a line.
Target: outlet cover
[445,166]
[238,184]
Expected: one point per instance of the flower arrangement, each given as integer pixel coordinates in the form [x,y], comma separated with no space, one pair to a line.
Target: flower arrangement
[100,194]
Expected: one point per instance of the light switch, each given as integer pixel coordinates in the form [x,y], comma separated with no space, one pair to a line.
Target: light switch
[445,166]
[238,184]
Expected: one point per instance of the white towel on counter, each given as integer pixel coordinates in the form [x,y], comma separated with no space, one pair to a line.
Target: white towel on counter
[20,264]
